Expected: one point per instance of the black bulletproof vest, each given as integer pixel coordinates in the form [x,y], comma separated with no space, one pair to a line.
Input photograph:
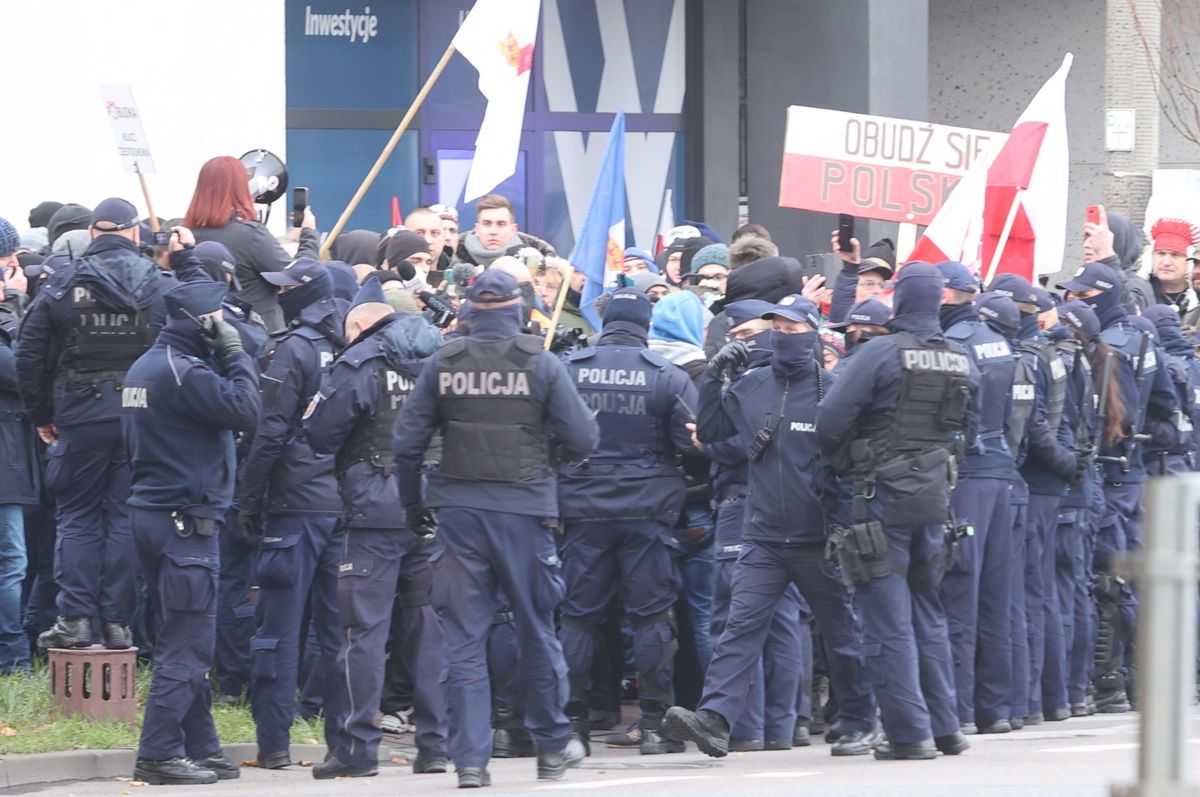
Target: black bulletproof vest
[935,397]
[492,428]
[1056,398]
[105,343]
[372,442]
[1024,398]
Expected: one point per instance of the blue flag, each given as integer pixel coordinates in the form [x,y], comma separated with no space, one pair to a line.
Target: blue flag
[600,247]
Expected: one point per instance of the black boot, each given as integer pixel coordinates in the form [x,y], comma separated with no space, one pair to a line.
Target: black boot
[654,740]
[219,762]
[581,729]
[857,743]
[552,766]
[276,760]
[473,778]
[116,636]
[916,751]
[707,729]
[801,737]
[429,764]
[954,744]
[331,768]
[172,772]
[75,632]
[512,743]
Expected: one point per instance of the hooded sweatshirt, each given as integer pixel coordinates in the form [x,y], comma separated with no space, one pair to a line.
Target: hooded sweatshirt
[677,331]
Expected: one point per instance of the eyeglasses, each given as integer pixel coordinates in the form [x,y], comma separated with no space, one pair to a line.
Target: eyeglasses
[872,285]
[445,210]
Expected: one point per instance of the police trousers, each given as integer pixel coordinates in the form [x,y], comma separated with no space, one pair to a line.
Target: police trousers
[763,573]
[975,592]
[907,643]
[235,612]
[374,563]
[486,552]
[181,574]
[1044,621]
[637,559]
[297,566]
[88,475]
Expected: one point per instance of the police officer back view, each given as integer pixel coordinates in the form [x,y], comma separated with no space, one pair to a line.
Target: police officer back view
[785,535]
[90,322]
[352,417]
[182,401]
[288,499]
[975,590]
[899,417]
[618,505]
[500,402]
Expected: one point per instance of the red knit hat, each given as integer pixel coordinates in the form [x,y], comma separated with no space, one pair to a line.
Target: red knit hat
[1174,235]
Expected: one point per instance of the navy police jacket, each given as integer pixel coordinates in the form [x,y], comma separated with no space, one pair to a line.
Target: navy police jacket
[567,420]
[68,375]
[348,408]
[871,384]
[642,404]
[282,473]
[180,411]
[1049,460]
[789,485]
[1156,396]
[990,456]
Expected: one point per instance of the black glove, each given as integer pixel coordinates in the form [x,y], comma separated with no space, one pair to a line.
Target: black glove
[1083,466]
[422,522]
[730,360]
[223,337]
[252,526]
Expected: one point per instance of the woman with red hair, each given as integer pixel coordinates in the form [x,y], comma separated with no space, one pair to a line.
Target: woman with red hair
[222,210]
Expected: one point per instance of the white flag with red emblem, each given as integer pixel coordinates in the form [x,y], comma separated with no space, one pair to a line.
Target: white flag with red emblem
[1018,197]
[497,38]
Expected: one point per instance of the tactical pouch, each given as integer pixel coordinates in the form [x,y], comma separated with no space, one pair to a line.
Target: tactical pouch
[918,487]
[186,525]
[863,553]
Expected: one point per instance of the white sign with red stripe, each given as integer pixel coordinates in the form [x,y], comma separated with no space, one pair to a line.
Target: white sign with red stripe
[875,167]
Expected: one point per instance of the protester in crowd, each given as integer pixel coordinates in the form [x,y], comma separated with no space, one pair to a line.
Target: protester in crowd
[748,249]
[1171,277]
[222,210]
[1117,242]
[448,257]
[496,234]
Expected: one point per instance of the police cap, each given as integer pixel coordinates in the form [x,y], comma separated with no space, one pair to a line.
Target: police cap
[114,214]
[197,298]
[493,287]
[300,271]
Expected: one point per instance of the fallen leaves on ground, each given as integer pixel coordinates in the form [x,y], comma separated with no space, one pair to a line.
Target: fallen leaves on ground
[6,730]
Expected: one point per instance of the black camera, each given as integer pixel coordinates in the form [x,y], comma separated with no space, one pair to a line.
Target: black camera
[441,311]
[567,338]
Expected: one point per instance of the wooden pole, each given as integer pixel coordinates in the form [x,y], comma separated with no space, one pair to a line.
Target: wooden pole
[568,271]
[387,151]
[137,167]
[1003,242]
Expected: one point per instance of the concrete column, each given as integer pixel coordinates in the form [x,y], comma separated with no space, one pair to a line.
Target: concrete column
[1129,83]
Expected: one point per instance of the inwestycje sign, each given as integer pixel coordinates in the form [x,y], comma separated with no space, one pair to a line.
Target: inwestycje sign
[875,167]
[127,129]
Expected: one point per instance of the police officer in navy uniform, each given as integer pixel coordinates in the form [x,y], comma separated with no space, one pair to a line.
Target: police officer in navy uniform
[865,320]
[351,417]
[785,537]
[898,418]
[975,590]
[288,500]
[618,506]
[1172,448]
[501,403]
[182,402]
[89,323]
[768,719]
[1097,286]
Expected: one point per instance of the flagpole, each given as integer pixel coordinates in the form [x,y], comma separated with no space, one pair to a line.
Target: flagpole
[568,271]
[387,151]
[1004,234]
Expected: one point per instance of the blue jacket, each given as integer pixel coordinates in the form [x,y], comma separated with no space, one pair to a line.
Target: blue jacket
[569,423]
[1156,396]
[1050,460]
[871,384]
[632,473]
[990,457]
[282,473]
[179,415]
[790,488]
[121,281]
[22,482]
[348,401]
[845,288]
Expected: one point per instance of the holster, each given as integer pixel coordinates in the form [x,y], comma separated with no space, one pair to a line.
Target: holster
[186,525]
[863,553]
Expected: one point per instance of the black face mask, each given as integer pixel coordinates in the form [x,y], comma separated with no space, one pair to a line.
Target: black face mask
[858,337]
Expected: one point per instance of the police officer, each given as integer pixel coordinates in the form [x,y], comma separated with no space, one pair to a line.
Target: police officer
[182,400]
[500,402]
[975,590]
[899,417]
[91,321]
[1050,465]
[1134,364]
[1172,444]
[769,718]
[618,506]
[288,499]
[784,541]
[865,320]
[352,417]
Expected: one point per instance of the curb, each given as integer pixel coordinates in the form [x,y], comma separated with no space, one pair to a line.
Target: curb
[28,768]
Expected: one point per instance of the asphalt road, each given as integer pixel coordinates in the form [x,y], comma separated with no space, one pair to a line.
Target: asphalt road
[1078,758]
